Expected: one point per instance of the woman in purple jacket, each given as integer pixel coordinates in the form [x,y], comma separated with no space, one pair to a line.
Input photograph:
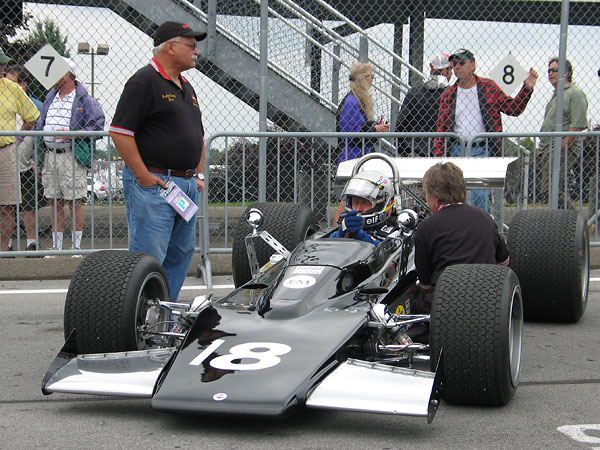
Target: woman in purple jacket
[355,113]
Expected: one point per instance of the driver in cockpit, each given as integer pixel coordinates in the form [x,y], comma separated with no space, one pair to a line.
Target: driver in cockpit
[369,213]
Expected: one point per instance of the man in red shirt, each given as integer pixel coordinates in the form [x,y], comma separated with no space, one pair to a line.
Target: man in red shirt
[473,105]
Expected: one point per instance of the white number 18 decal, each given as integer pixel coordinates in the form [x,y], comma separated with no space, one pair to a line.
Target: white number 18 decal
[264,359]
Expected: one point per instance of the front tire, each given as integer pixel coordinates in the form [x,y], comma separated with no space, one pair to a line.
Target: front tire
[477,326]
[112,296]
[549,251]
[289,223]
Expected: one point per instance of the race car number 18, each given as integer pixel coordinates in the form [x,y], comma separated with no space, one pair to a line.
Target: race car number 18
[266,354]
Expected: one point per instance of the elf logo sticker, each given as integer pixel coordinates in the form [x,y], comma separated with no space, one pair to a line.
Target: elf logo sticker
[299,282]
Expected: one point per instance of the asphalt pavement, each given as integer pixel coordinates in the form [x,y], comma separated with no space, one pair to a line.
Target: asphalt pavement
[556,405]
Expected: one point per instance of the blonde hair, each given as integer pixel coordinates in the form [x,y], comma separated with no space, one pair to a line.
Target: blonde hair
[359,87]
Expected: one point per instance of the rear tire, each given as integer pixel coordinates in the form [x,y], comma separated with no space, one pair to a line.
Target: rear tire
[477,326]
[289,223]
[108,301]
[549,251]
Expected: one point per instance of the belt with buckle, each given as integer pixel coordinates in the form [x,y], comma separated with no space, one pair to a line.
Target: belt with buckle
[57,150]
[188,173]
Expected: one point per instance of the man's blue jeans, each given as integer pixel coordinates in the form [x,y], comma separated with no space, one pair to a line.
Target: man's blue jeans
[155,228]
[479,197]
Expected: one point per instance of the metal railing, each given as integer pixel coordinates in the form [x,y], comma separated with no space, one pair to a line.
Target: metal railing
[295,161]
[326,40]
[104,220]
[301,168]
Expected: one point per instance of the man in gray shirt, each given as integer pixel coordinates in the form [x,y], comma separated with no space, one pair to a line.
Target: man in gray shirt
[574,119]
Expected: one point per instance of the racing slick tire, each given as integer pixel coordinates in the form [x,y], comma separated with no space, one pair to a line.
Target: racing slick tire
[109,299]
[549,251]
[477,326]
[289,223]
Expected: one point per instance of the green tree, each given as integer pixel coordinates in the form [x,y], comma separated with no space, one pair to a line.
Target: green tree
[9,30]
[39,34]
[46,32]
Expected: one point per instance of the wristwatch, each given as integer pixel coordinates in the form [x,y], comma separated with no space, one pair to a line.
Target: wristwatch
[200,176]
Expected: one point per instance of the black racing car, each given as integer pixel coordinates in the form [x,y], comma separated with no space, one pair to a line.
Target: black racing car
[320,322]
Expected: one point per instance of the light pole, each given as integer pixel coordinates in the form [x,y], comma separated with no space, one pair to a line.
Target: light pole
[83,48]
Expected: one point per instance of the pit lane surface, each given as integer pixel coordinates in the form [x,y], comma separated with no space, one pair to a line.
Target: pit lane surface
[557,405]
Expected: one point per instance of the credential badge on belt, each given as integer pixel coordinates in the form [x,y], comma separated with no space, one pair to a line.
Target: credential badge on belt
[178,200]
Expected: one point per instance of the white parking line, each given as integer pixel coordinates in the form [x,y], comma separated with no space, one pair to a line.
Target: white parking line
[184,288]
[64,291]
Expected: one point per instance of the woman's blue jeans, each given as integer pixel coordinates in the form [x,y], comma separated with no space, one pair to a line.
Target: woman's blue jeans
[479,197]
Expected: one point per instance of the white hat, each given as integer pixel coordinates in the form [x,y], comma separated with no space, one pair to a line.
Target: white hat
[72,67]
[440,61]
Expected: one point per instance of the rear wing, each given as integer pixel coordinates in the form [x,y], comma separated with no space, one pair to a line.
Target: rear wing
[479,173]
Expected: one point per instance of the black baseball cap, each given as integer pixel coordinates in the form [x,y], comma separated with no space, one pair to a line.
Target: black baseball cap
[169,30]
[462,53]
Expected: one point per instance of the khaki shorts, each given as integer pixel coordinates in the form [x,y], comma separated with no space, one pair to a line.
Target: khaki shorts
[65,179]
[10,185]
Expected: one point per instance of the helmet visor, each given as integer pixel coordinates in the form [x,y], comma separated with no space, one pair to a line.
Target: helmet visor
[361,188]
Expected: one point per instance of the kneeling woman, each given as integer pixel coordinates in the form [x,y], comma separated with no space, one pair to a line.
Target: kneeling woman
[456,233]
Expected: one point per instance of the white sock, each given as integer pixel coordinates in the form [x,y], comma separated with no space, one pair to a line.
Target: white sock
[10,242]
[57,240]
[76,237]
[30,241]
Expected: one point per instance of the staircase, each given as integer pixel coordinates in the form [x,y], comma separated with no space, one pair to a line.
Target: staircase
[309,54]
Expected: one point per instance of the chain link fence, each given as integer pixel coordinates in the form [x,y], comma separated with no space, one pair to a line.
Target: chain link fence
[311,44]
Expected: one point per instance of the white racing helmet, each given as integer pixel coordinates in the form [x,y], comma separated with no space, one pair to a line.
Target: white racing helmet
[377,189]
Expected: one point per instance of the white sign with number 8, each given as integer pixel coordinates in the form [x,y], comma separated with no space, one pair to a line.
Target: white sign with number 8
[266,355]
[509,74]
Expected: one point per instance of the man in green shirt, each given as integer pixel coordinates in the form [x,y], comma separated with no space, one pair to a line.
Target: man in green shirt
[574,119]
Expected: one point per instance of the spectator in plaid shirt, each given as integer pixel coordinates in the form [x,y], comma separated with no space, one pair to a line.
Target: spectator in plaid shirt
[473,105]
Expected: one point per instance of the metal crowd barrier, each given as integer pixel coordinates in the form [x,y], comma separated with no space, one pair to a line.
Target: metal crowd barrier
[284,167]
[105,226]
[300,167]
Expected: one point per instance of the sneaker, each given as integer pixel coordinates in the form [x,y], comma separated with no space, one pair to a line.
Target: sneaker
[32,248]
[9,249]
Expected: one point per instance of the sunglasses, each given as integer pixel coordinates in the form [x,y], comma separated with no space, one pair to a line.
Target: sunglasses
[552,70]
[462,62]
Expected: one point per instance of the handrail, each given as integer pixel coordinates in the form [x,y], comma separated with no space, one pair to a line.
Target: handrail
[389,76]
[364,33]
[256,53]
[304,15]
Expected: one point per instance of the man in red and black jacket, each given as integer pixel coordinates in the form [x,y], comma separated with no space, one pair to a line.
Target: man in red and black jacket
[458,110]
[474,105]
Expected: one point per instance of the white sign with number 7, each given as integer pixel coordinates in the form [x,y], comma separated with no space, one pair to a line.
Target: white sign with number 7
[47,66]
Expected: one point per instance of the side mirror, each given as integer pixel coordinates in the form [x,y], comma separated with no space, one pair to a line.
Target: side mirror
[254,218]
[407,218]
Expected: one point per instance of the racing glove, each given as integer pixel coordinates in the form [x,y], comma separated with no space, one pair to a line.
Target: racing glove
[352,223]
[362,235]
